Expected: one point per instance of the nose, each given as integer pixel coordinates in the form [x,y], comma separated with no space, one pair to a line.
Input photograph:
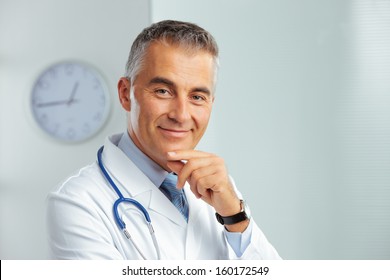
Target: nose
[179,110]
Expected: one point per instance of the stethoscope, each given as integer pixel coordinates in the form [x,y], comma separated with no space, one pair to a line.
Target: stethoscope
[121,224]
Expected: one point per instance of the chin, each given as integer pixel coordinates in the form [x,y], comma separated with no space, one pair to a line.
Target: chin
[179,147]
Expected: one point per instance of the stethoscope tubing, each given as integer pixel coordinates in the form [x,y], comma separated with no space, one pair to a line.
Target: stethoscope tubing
[121,224]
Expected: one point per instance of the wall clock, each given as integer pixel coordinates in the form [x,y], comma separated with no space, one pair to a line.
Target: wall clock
[70,101]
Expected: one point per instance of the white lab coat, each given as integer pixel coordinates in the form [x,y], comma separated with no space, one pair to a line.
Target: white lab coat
[81,223]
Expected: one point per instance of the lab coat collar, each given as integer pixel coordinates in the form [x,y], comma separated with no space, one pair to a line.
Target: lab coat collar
[150,168]
[135,184]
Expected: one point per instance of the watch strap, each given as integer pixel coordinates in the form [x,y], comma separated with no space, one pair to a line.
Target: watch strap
[234,219]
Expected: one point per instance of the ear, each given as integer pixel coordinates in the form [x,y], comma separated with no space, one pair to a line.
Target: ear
[124,93]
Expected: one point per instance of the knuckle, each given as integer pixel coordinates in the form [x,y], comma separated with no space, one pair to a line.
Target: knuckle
[221,169]
[195,175]
[220,160]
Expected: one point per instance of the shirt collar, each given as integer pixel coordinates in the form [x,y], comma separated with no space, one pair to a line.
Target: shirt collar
[151,169]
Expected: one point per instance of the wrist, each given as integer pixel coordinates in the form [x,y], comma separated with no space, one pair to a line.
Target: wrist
[240,216]
[234,208]
[238,227]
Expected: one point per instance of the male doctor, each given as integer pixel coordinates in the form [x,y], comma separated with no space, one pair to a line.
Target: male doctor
[195,209]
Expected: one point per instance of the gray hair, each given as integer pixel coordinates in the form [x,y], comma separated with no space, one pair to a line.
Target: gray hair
[183,34]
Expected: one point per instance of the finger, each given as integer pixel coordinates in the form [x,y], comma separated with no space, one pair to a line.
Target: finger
[191,166]
[186,155]
[175,166]
[194,190]
[202,172]
[220,198]
[197,177]
[206,184]
[202,187]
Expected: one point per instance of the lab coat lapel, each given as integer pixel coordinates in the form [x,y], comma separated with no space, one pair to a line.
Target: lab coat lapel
[194,204]
[135,184]
[160,204]
[123,170]
[197,211]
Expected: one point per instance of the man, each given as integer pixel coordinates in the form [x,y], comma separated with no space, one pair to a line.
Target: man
[168,93]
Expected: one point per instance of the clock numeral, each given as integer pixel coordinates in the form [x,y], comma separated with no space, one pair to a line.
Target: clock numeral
[55,127]
[36,100]
[53,73]
[86,128]
[43,85]
[43,118]
[71,133]
[97,117]
[96,84]
[102,99]
[85,72]
[69,69]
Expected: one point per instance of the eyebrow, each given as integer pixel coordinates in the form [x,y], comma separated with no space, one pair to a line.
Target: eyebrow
[165,81]
[161,80]
[204,90]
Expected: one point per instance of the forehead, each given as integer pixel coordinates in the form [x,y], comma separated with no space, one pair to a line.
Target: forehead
[178,63]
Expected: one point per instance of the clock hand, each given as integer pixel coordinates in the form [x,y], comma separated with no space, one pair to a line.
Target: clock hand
[68,102]
[55,103]
[73,93]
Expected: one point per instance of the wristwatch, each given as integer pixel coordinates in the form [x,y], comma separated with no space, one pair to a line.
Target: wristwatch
[243,215]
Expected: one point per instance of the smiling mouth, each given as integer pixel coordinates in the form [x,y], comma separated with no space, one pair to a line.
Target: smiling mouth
[176,133]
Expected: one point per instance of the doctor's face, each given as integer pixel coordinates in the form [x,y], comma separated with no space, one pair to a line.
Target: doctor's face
[170,100]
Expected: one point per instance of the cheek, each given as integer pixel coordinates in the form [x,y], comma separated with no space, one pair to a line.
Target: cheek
[155,110]
[202,117]
[148,115]
[139,118]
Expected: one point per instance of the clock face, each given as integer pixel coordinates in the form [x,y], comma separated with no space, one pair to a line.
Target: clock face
[70,101]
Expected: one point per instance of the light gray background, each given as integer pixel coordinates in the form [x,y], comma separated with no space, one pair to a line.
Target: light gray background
[302,115]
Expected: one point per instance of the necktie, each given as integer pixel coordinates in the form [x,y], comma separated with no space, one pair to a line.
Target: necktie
[176,196]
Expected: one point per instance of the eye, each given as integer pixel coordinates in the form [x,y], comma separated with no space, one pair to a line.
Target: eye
[162,92]
[198,98]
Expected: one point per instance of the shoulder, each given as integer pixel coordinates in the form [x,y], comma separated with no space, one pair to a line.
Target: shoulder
[88,180]
[84,194]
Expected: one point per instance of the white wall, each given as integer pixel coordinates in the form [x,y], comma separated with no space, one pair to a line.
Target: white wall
[304,131]
[34,35]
